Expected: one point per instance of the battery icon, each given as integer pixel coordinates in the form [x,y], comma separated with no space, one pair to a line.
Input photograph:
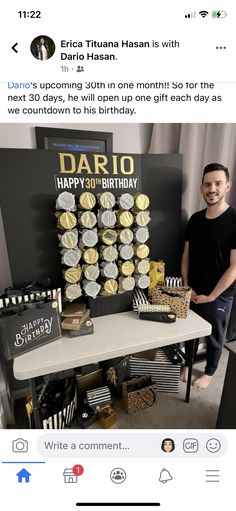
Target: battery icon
[218,14]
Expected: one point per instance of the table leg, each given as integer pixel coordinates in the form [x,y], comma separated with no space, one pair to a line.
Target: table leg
[37,420]
[190,369]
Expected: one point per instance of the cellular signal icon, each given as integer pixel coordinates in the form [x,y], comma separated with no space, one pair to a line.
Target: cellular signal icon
[191,15]
[203,14]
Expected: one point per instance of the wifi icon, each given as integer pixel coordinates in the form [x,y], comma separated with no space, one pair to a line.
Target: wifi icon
[203,14]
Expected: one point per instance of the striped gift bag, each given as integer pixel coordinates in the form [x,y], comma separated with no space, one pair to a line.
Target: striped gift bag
[162,370]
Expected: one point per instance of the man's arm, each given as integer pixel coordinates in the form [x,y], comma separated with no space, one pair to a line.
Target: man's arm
[225,281]
[185,263]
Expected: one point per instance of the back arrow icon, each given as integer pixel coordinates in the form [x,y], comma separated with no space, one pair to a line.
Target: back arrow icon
[14,48]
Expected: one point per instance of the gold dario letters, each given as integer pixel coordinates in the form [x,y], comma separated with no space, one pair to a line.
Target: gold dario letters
[99,164]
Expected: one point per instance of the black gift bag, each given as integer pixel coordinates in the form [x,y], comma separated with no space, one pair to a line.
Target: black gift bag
[57,404]
[56,401]
[26,327]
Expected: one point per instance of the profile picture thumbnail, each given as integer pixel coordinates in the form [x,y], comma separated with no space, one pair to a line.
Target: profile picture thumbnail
[168,445]
[42,47]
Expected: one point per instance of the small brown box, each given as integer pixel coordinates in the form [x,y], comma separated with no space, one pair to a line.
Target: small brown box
[74,310]
[107,417]
[89,381]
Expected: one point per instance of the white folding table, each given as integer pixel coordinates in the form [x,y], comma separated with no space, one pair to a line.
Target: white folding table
[114,335]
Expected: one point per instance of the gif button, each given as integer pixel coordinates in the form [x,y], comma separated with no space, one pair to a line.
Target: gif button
[190,445]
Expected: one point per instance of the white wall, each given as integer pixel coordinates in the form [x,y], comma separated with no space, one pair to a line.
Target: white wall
[127,138]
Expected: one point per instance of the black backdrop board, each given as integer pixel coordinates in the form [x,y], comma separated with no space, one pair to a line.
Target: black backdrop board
[28,182]
[162,182]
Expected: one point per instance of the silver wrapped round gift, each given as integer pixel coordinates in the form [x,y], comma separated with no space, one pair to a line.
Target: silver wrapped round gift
[91,288]
[109,270]
[126,252]
[88,238]
[106,218]
[71,257]
[66,201]
[69,239]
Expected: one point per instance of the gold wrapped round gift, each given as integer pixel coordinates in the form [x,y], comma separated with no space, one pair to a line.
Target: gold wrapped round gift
[73,275]
[90,255]
[108,236]
[126,268]
[66,220]
[87,201]
[109,287]
[141,201]
[124,218]
[141,250]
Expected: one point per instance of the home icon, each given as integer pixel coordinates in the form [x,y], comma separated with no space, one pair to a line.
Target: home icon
[69,476]
[23,476]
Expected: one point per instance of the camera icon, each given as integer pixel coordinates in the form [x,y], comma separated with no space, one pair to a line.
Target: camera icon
[20,445]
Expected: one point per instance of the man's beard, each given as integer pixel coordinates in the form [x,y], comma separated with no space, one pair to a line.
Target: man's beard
[217,199]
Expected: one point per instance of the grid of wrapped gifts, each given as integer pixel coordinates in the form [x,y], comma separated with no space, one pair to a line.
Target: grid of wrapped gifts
[103,242]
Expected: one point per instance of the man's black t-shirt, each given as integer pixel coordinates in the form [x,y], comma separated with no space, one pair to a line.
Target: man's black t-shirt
[210,244]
